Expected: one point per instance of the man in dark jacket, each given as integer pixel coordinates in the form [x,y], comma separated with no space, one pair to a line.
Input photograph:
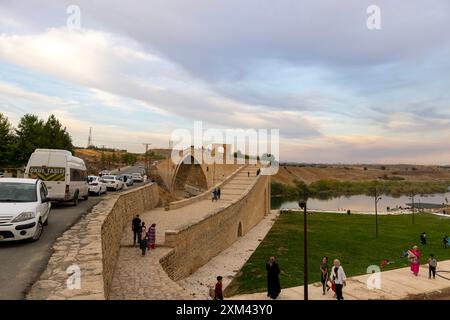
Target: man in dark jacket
[136,227]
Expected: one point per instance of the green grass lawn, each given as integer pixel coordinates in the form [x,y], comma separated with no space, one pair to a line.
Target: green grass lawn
[350,238]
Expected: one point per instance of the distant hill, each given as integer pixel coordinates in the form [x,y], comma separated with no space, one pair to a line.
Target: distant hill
[311,173]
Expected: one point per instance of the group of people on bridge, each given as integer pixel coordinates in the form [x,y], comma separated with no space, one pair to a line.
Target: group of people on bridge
[146,238]
[215,194]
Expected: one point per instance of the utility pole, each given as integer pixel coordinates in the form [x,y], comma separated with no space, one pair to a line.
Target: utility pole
[146,156]
[90,138]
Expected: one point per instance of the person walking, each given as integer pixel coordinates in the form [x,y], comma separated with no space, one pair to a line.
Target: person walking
[218,293]
[144,239]
[136,227]
[151,237]
[248,174]
[414,260]
[324,275]
[423,238]
[339,278]
[445,241]
[218,193]
[273,278]
[432,264]
[213,195]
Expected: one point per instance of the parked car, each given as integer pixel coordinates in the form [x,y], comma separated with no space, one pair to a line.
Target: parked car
[96,185]
[24,209]
[113,182]
[64,175]
[104,173]
[127,179]
[137,177]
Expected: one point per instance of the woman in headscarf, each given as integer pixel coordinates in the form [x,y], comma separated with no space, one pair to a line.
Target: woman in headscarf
[414,260]
[338,278]
[151,236]
[144,239]
[273,279]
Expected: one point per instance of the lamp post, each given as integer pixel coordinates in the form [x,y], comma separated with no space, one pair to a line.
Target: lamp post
[302,205]
[377,199]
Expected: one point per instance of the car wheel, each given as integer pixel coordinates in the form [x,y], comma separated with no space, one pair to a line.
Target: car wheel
[38,232]
[46,221]
[75,199]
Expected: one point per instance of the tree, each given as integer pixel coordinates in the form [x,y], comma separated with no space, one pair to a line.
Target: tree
[55,136]
[303,190]
[114,157]
[33,133]
[29,137]
[7,141]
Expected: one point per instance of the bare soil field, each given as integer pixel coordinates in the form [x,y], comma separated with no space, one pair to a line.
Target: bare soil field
[312,173]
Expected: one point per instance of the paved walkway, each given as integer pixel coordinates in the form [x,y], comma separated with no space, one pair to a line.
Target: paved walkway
[395,284]
[228,263]
[143,278]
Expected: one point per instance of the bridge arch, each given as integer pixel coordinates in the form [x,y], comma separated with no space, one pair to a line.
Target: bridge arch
[189,176]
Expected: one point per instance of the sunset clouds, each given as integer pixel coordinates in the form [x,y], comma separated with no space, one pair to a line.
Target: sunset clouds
[337,91]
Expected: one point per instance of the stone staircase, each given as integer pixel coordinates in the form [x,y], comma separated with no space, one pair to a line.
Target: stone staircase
[239,183]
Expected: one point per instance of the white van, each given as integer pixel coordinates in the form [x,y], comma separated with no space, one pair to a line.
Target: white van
[65,175]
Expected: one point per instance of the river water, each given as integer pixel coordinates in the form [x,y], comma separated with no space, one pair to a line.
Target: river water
[361,203]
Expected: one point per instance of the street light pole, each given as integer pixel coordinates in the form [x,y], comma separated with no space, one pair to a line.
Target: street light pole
[302,205]
[377,198]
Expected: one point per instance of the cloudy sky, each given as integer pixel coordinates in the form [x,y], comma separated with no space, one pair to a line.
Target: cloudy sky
[137,70]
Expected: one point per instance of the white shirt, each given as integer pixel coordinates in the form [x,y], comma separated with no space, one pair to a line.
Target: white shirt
[341,277]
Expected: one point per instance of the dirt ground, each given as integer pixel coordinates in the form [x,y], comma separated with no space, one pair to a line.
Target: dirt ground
[311,173]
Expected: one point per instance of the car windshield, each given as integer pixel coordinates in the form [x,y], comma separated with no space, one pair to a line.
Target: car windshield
[109,177]
[17,192]
[92,179]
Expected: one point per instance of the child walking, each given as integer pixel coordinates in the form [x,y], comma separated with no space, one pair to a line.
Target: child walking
[432,264]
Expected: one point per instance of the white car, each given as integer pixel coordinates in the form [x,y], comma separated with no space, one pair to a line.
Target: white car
[96,185]
[137,177]
[113,182]
[104,173]
[24,209]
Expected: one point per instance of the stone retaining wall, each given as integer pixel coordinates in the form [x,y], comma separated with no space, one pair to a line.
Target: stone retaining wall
[92,247]
[196,244]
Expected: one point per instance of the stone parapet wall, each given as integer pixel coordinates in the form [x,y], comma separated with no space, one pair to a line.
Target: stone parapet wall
[92,247]
[127,205]
[194,245]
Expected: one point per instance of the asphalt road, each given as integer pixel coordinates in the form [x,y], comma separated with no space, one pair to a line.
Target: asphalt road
[22,262]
